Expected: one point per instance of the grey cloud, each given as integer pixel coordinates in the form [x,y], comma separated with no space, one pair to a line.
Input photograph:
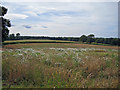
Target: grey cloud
[26,26]
[44,27]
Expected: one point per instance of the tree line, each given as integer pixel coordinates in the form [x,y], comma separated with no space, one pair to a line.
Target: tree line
[4,33]
[90,39]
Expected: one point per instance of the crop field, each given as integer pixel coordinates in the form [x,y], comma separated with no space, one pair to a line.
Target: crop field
[35,41]
[59,65]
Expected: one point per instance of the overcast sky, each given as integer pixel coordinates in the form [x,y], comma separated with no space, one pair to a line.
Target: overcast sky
[63,18]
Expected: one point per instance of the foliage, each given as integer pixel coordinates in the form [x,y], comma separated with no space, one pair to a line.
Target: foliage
[5,23]
[83,39]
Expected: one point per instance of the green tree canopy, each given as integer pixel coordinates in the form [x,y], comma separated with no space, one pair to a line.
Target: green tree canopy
[91,36]
[4,24]
[83,38]
[18,36]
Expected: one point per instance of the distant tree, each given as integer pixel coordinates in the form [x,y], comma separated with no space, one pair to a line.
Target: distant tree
[67,38]
[12,36]
[90,38]
[83,38]
[114,41]
[18,36]
[118,41]
[107,41]
[4,24]
[99,40]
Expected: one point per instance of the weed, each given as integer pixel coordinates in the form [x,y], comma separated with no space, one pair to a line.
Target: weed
[59,66]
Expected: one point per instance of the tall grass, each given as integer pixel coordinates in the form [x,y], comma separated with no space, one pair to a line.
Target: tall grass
[60,68]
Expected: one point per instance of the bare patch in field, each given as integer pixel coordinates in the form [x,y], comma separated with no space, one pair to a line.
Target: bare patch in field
[95,46]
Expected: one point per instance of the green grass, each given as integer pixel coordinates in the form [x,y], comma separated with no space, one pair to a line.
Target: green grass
[94,43]
[49,41]
[59,66]
[35,41]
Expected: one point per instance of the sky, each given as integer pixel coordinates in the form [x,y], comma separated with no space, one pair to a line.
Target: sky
[64,19]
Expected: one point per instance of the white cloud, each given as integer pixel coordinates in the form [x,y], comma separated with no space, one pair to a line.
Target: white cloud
[32,13]
[97,18]
[15,16]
